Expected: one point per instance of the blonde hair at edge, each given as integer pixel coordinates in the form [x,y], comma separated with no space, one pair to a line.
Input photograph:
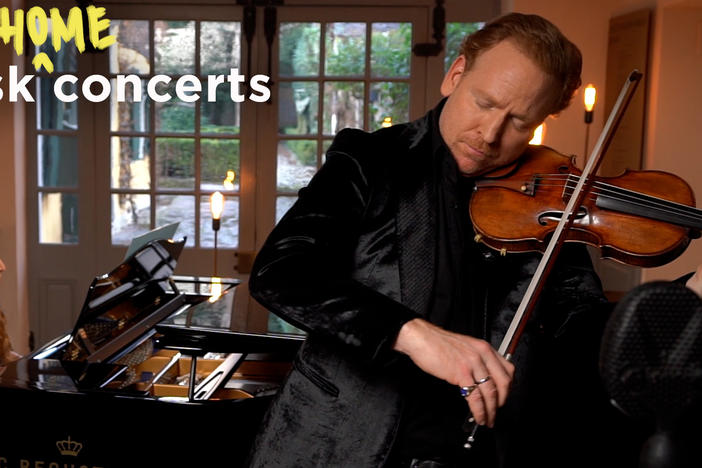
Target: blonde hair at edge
[6,353]
[5,345]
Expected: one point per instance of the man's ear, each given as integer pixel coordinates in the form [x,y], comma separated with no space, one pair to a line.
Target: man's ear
[453,76]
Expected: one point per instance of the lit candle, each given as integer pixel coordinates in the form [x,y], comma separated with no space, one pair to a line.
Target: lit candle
[589,100]
[539,133]
[216,208]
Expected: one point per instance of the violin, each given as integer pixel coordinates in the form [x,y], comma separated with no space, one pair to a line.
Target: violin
[641,218]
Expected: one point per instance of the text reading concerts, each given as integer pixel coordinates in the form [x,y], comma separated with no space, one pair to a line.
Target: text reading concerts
[97,88]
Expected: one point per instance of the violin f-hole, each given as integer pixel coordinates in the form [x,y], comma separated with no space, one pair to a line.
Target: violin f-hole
[547,216]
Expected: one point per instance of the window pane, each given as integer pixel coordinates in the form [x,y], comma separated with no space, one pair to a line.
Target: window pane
[130,54]
[278,325]
[220,45]
[175,163]
[282,205]
[297,163]
[174,46]
[131,216]
[343,106]
[177,208]
[455,32]
[297,108]
[128,115]
[65,60]
[219,164]
[58,218]
[389,102]
[221,116]
[130,162]
[52,113]
[58,161]
[299,49]
[174,115]
[228,234]
[391,49]
[345,48]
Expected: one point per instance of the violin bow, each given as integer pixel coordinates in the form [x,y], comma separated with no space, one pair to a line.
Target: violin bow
[526,307]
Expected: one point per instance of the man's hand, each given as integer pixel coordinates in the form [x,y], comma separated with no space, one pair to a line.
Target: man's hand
[459,360]
[695,281]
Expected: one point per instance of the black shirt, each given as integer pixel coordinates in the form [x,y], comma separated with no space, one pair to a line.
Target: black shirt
[434,414]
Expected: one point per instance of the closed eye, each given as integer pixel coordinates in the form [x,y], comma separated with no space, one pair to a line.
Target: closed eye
[521,126]
[482,101]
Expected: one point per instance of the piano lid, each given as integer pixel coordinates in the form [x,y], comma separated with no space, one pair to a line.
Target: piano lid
[127,302]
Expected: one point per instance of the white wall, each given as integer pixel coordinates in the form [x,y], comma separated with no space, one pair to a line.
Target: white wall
[675,124]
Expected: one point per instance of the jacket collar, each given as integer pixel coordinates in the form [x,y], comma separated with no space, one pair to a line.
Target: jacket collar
[416,217]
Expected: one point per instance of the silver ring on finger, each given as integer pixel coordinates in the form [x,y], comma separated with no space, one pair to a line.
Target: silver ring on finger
[483,380]
[465,391]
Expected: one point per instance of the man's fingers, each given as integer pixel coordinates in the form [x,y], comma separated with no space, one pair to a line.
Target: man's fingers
[484,398]
[476,403]
[501,372]
[491,376]
[489,393]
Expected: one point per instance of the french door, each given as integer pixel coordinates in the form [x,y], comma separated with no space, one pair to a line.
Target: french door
[100,173]
[332,68]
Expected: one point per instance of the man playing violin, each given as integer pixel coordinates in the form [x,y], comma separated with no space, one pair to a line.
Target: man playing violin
[376,262]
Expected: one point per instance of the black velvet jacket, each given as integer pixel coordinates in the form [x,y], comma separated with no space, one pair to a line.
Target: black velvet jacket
[350,263]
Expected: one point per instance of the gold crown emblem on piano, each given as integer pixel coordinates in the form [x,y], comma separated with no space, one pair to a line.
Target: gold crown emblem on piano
[69,447]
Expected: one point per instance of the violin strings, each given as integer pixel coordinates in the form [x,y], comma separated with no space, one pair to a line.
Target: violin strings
[647,201]
[644,201]
[642,198]
[684,218]
[623,195]
[656,208]
[627,195]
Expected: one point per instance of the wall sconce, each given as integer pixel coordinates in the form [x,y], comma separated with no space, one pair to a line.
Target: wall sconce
[589,99]
[216,208]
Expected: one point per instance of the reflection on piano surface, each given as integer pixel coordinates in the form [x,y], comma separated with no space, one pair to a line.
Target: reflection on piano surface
[152,375]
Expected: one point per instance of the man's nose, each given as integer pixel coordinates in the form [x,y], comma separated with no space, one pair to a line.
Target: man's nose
[493,127]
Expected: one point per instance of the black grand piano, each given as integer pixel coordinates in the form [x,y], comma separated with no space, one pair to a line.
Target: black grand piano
[152,375]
